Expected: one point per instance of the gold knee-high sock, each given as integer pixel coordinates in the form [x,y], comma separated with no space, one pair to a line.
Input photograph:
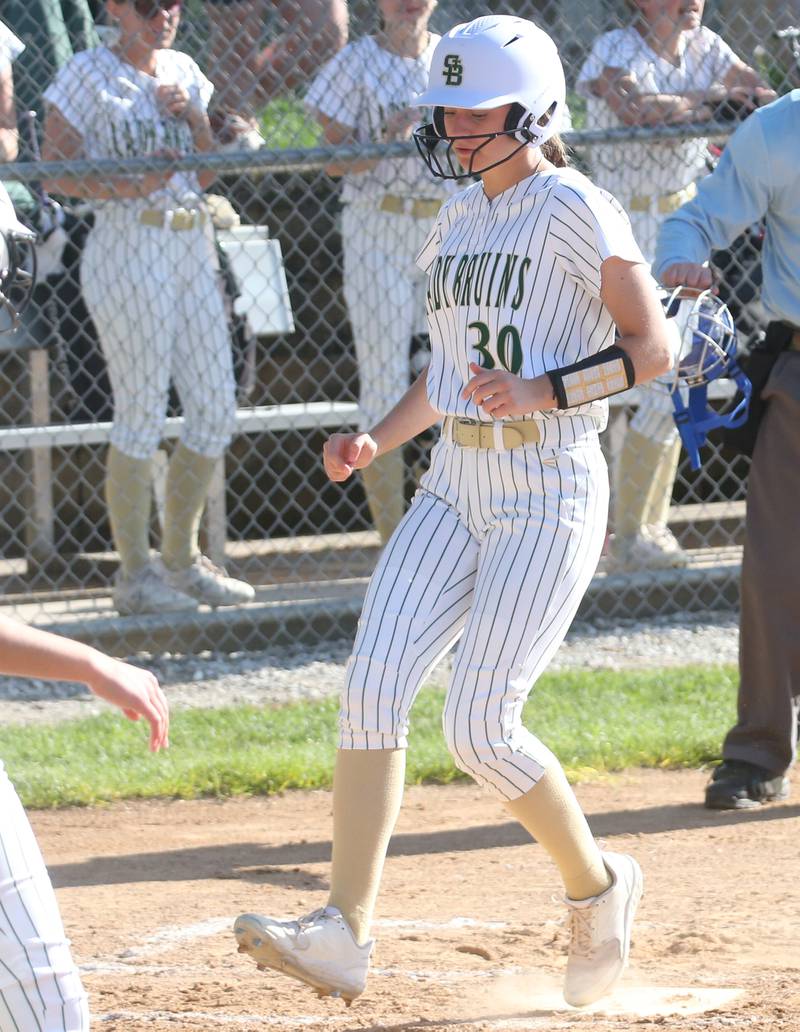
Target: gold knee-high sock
[635,484]
[128,496]
[367,793]
[383,482]
[188,480]
[660,497]
[551,813]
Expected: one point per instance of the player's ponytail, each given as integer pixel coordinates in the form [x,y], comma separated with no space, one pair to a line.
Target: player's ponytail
[555,151]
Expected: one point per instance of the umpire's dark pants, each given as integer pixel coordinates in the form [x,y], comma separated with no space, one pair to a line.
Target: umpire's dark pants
[769,644]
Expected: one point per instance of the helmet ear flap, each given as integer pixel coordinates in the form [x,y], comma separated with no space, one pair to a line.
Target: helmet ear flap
[518,121]
[438,122]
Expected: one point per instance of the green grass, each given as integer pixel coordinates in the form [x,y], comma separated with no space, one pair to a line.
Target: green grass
[594,722]
[286,125]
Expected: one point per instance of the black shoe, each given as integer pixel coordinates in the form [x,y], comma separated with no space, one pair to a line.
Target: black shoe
[736,785]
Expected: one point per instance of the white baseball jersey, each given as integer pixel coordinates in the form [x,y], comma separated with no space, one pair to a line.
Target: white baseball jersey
[514,282]
[644,167]
[499,545]
[360,87]
[40,988]
[113,106]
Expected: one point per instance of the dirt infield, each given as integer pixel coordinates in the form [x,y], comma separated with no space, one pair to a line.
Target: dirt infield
[469,922]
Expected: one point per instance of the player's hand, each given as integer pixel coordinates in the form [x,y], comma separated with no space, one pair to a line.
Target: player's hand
[687,274]
[399,124]
[500,393]
[342,453]
[136,692]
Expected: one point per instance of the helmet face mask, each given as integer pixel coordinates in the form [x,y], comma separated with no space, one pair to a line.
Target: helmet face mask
[488,63]
[706,353]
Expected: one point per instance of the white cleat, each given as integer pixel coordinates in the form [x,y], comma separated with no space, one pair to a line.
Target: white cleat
[319,950]
[600,933]
[209,584]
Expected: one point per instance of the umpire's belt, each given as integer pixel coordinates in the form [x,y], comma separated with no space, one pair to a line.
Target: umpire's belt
[417,208]
[665,203]
[177,218]
[470,433]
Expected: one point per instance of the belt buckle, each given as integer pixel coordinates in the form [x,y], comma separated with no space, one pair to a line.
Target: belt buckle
[182,218]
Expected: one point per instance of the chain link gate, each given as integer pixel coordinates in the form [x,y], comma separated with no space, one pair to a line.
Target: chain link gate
[261,262]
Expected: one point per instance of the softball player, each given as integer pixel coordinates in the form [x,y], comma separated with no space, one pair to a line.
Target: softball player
[40,988]
[364,95]
[150,279]
[530,271]
[663,68]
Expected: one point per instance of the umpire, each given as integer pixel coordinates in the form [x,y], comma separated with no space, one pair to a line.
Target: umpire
[757,177]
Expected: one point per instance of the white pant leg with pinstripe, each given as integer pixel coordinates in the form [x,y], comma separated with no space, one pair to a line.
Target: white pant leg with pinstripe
[496,550]
[385,295]
[157,304]
[40,988]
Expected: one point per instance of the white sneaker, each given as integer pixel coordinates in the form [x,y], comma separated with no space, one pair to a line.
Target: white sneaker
[319,950]
[146,591]
[652,548]
[600,933]
[209,584]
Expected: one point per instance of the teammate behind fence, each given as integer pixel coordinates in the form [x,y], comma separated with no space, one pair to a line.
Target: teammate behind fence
[150,279]
[364,95]
[664,68]
[529,272]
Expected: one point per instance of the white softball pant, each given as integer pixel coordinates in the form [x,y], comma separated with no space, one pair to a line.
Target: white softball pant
[385,295]
[40,988]
[157,305]
[497,550]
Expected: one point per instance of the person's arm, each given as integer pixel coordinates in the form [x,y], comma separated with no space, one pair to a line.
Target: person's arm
[9,136]
[398,127]
[176,100]
[63,142]
[30,652]
[315,31]
[644,349]
[343,453]
[734,196]
[634,106]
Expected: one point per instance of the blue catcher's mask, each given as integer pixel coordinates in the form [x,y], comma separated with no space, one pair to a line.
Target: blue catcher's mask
[707,352]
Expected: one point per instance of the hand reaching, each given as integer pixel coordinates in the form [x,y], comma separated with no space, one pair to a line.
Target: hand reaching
[136,692]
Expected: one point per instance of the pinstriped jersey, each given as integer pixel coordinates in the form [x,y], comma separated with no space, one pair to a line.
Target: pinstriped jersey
[514,282]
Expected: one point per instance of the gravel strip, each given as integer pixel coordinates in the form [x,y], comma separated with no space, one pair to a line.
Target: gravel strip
[287,675]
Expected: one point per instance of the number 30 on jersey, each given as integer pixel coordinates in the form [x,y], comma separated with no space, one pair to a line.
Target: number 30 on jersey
[507,349]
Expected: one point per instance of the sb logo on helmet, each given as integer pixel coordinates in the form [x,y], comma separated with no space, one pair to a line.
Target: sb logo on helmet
[453,70]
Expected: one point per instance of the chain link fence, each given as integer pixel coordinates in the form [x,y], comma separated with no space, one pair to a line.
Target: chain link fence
[211,303]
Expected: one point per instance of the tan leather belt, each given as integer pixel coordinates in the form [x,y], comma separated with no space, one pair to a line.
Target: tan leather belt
[416,208]
[178,218]
[794,343]
[469,433]
[665,203]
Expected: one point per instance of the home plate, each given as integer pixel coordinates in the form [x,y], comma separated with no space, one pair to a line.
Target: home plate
[644,1001]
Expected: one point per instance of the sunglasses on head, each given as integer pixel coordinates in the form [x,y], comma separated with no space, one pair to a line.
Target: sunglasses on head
[150,8]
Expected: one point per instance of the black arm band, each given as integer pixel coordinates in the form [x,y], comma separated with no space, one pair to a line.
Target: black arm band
[608,372]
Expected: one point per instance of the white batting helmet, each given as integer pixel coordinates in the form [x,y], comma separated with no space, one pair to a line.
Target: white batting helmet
[496,60]
[17,264]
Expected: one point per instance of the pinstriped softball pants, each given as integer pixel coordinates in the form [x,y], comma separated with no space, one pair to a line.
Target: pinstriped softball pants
[495,552]
[40,988]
